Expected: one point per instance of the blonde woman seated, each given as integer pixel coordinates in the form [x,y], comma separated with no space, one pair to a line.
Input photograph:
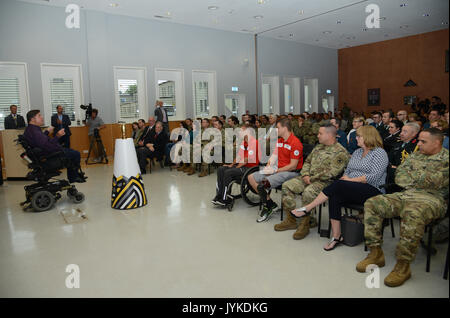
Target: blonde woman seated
[365,173]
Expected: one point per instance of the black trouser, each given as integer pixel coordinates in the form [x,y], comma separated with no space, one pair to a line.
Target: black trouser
[143,153]
[74,157]
[224,177]
[341,192]
[65,141]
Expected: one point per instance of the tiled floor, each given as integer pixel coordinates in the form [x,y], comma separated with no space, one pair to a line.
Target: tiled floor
[179,245]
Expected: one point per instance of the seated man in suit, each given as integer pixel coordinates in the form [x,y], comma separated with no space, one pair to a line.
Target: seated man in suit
[38,139]
[148,131]
[14,120]
[155,145]
[62,121]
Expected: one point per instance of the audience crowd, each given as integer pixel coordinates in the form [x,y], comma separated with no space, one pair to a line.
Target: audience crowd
[393,163]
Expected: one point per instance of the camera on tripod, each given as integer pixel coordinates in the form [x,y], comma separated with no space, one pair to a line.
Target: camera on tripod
[96,133]
[88,109]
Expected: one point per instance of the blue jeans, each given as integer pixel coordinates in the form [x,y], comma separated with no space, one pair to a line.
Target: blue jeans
[167,151]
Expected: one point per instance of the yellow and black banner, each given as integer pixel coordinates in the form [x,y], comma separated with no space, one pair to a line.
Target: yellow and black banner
[128,193]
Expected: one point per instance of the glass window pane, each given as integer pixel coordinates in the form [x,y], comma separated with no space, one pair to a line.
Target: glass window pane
[167,96]
[288,100]
[9,95]
[267,98]
[128,95]
[201,98]
[62,93]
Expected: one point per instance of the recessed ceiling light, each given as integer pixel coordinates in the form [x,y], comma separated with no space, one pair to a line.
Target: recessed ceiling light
[326,32]
[168,13]
[213,7]
[301,12]
[113,5]
[161,17]
[258,17]
[426,15]
[382,19]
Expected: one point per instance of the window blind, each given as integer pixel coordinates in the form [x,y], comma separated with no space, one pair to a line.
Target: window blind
[62,93]
[9,95]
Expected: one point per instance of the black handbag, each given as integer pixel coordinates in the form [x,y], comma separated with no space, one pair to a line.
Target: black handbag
[352,229]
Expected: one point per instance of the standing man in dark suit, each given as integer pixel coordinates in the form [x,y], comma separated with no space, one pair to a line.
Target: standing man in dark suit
[62,121]
[14,120]
[161,115]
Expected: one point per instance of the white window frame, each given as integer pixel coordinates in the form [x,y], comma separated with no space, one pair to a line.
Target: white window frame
[143,106]
[242,104]
[180,104]
[25,89]
[45,94]
[212,93]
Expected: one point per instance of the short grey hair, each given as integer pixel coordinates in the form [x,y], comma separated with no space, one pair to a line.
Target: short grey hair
[415,126]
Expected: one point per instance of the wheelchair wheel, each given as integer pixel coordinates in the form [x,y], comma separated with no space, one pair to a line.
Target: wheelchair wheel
[230,206]
[248,194]
[42,201]
[78,198]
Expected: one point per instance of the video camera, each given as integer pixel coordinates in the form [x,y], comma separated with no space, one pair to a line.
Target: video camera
[88,109]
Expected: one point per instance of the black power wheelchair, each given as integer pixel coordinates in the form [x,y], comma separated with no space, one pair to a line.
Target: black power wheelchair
[42,195]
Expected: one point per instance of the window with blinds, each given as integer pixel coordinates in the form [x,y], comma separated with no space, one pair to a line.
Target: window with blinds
[128,94]
[62,93]
[9,95]
[201,99]
[167,96]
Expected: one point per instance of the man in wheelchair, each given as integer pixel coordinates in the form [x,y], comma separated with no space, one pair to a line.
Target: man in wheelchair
[46,157]
[284,164]
[246,158]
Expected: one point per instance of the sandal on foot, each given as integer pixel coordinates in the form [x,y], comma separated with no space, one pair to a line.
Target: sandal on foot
[338,241]
[302,209]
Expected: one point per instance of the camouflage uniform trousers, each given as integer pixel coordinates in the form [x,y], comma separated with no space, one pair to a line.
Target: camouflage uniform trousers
[415,208]
[296,186]
[203,164]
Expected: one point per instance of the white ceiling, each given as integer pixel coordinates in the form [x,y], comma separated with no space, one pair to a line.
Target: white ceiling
[281,18]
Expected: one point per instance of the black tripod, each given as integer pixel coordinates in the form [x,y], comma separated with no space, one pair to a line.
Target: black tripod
[97,139]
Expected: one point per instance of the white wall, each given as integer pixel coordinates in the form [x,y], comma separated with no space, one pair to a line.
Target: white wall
[35,34]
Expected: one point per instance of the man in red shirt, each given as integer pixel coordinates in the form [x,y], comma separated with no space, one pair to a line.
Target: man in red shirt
[284,164]
[246,158]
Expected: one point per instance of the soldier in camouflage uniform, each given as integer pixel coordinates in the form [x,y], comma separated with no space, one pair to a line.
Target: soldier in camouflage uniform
[325,163]
[311,134]
[424,177]
[204,166]
[300,128]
